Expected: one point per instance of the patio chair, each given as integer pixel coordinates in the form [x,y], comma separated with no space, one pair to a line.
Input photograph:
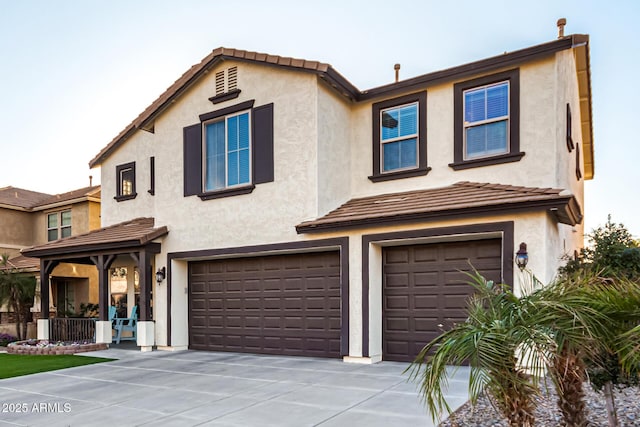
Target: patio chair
[112,313]
[126,324]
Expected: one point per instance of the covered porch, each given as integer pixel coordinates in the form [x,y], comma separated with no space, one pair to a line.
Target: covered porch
[123,255]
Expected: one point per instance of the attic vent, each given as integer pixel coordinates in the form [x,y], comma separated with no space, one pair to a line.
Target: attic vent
[232,79]
[228,91]
[219,82]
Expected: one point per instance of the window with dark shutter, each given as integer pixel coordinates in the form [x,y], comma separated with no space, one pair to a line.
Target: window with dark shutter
[263,144]
[570,144]
[261,152]
[193,160]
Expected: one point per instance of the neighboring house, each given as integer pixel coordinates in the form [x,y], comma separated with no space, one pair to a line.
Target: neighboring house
[295,214]
[30,218]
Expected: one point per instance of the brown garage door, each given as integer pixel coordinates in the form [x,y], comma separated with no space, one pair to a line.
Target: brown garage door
[423,287]
[281,304]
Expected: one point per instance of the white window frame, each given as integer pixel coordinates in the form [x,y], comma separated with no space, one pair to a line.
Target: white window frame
[58,227]
[415,136]
[467,125]
[226,151]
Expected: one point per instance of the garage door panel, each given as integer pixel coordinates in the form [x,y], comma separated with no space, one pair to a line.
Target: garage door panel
[425,254]
[433,293]
[427,279]
[397,324]
[398,280]
[396,302]
[284,304]
[426,302]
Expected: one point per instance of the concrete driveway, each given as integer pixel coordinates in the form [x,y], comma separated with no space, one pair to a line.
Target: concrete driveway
[192,388]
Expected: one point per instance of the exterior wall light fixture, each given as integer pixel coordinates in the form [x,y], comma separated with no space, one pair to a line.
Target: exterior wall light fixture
[522,257]
[161,274]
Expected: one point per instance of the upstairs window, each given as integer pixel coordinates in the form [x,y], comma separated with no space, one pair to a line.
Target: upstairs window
[126,181]
[399,137]
[58,225]
[227,152]
[486,121]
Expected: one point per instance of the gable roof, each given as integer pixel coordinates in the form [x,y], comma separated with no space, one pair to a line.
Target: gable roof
[136,232]
[341,85]
[32,200]
[70,196]
[21,198]
[462,198]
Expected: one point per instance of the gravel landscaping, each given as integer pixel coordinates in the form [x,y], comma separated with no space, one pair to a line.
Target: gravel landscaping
[547,413]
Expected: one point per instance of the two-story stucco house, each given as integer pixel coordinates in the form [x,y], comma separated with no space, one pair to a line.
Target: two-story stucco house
[272,207]
[32,218]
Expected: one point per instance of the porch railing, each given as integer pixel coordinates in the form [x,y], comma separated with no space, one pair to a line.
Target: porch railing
[72,329]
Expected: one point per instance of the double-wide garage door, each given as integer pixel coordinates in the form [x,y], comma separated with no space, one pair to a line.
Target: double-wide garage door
[281,304]
[425,290]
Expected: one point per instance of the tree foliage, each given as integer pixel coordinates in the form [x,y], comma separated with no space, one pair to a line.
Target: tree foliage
[17,291]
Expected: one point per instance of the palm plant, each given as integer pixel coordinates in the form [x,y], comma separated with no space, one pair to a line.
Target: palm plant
[17,291]
[501,345]
[570,311]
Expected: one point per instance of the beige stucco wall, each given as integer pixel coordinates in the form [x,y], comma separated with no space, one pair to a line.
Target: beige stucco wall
[15,232]
[85,216]
[322,152]
[542,118]
[270,212]
[334,150]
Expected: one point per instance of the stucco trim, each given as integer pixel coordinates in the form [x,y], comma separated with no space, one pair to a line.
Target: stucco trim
[409,238]
[339,243]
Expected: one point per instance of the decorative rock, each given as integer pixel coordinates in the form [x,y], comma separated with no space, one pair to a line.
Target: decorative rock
[547,413]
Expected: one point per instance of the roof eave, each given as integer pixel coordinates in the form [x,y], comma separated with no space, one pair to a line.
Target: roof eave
[566,210]
[507,59]
[583,68]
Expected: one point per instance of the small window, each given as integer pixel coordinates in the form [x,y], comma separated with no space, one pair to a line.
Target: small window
[126,181]
[58,225]
[487,121]
[227,152]
[399,138]
[65,224]
[52,227]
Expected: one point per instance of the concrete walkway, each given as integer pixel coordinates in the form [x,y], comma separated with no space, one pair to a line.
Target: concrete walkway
[192,388]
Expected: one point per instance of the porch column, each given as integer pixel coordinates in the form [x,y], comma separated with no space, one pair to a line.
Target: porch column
[103,326]
[46,267]
[146,327]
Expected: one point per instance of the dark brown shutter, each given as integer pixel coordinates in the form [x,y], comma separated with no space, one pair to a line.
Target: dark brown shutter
[263,144]
[192,159]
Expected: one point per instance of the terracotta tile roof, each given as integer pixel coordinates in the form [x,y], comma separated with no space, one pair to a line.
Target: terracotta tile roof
[462,198]
[21,198]
[93,191]
[30,200]
[197,70]
[136,232]
[22,262]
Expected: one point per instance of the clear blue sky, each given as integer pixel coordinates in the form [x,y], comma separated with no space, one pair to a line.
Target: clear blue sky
[74,73]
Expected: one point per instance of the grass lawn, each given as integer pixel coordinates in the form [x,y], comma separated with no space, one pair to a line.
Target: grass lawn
[15,365]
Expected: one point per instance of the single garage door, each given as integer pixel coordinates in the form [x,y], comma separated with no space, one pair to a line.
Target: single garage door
[281,304]
[424,290]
